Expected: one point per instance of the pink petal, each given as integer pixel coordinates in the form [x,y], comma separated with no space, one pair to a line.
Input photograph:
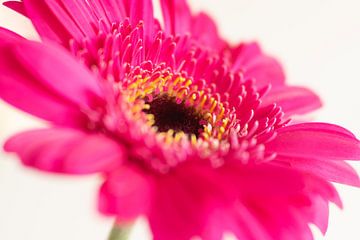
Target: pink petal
[16,6]
[316,140]
[280,219]
[46,23]
[334,171]
[114,10]
[74,16]
[54,93]
[293,100]
[256,180]
[316,186]
[79,84]
[182,195]
[172,204]
[317,213]
[15,81]
[206,36]
[65,150]
[127,193]
[142,10]
[177,16]
[264,69]
[7,36]
[245,224]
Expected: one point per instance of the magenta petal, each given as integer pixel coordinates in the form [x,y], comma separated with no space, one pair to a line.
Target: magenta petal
[127,193]
[285,222]
[27,68]
[255,64]
[114,10]
[316,186]
[7,36]
[317,213]
[80,86]
[293,100]
[142,10]
[316,140]
[334,171]
[64,150]
[16,6]
[15,81]
[177,16]
[46,23]
[208,36]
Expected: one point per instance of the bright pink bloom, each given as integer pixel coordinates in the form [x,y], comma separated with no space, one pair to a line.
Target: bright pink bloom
[185,129]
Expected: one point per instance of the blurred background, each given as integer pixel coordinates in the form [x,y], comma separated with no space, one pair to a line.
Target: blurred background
[318,41]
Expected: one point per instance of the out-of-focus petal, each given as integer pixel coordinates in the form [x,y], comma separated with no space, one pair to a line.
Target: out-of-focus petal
[206,36]
[16,6]
[126,193]
[65,150]
[320,140]
[142,10]
[333,171]
[249,58]
[62,21]
[7,36]
[293,100]
[56,86]
[46,23]
[177,16]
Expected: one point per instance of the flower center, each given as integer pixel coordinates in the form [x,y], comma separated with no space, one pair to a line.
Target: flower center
[168,114]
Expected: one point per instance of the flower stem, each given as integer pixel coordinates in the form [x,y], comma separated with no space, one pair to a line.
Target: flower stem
[120,232]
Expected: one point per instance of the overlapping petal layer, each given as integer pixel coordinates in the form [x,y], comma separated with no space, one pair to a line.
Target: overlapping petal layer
[94,78]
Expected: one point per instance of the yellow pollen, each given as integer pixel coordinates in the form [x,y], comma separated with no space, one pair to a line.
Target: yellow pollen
[193,139]
[146,106]
[169,136]
[212,112]
[203,100]
[179,136]
[183,91]
[213,105]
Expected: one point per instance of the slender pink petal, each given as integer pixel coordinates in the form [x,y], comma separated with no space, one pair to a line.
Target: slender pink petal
[54,93]
[182,195]
[46,23]
[317,213]
[74,16]
[80,86]
[325,141]
[173,203]
[293,100]
[252,183]
[177,16]
[319,187]
[334,171]
[114,9]
[127,193]
[142,10]
[252,228]
[7,36]
[16,6]
[279,218]
[16,81]
[264,69]
[209,36]
[66,150]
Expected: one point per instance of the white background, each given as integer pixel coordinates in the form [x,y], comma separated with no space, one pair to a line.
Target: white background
[318,42]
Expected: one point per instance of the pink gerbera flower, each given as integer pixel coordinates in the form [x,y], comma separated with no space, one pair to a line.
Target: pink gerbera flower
[185,129]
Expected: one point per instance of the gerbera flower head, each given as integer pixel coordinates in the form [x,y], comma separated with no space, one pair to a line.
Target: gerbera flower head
[187,130]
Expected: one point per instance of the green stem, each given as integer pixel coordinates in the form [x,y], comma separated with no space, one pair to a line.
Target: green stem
[120,232]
